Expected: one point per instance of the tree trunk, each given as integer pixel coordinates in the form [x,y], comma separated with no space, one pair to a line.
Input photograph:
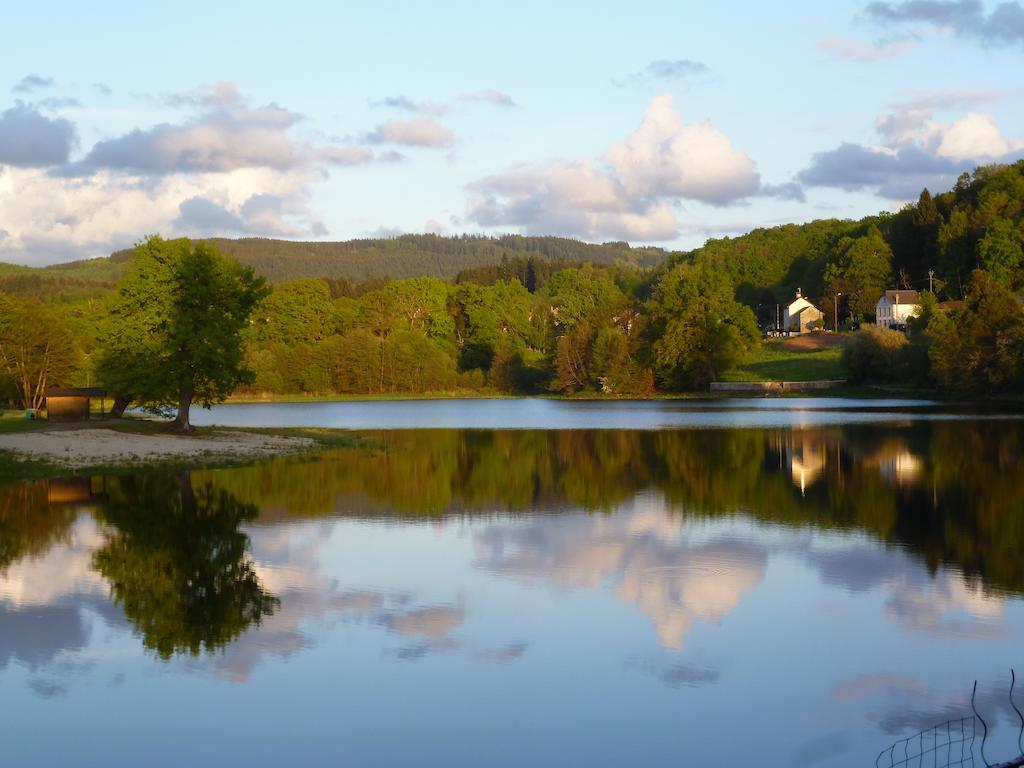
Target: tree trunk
[117,409]
[188,494]
[181,423]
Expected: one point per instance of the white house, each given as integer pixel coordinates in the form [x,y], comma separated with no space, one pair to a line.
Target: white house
[798,315]
[894,307]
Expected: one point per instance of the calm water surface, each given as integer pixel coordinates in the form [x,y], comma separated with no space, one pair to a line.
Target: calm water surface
[792,595]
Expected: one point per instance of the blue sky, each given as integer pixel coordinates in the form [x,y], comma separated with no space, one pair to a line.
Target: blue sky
[651,122]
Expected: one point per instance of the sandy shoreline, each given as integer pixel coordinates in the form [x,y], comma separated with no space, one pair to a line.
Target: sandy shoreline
[96,446]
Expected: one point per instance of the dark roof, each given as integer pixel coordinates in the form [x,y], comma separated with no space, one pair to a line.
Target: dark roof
[75,392]
[901,297]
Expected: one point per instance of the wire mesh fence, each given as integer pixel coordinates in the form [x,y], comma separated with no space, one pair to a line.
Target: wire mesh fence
[949,744]
[953,742]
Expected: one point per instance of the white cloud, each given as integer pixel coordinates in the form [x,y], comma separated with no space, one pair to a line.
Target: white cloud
[418,132]
[975,136]
[227,168]
[629,193]
[50,218]
[916,150]
[666,157]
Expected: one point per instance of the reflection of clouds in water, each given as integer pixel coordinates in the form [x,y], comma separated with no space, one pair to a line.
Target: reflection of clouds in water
[286,559]
[945,607]
[944,604]
[501,655]
[880,682]
[433,622]
[65,569]
[649,556]
[902,705]
[45,606]
[678,675]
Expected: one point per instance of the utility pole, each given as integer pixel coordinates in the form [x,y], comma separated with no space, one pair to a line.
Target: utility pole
[931,277]
[835,312]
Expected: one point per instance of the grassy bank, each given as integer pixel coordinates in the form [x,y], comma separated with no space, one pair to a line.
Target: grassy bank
[807,359]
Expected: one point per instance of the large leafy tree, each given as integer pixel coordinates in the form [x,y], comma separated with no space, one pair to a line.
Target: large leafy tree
[173,333]
[861,269]
[699,329]
[1001,253]
[36,349]
[981,347]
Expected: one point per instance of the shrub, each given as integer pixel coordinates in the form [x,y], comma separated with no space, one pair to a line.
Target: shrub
[875,354]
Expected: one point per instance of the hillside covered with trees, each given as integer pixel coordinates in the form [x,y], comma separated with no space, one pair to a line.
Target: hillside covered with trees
[527,315]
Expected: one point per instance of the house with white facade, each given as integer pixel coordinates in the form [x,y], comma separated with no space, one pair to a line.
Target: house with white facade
[798,315]
[893,308]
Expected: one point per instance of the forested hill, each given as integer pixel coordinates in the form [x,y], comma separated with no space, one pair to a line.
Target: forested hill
[419,255]
[977,224]
[354,260]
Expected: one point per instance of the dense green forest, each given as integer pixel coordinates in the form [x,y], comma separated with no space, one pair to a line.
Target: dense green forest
[524,315]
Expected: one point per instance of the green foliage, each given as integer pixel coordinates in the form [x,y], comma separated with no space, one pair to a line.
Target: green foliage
[699,329]
[980,348]
[860,269]
[1000,252]
[526,314]
[173,333]
[36,350]
[875,354]
[177,563]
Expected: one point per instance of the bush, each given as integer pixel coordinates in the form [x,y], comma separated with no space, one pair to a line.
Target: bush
[875,354]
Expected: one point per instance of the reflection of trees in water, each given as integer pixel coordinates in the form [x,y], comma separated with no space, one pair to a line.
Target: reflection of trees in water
[29,523]
[951,491]
[177,563]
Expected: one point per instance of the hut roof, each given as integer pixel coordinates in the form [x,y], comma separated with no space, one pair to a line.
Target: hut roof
[75,392]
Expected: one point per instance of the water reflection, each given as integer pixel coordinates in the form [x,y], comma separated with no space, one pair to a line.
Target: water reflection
[177,565]
[845,579]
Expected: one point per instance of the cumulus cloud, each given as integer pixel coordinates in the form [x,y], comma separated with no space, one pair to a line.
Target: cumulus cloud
[629,193]
[227,167]
[224,134]
[1004,25]
[29,139]
[52,218]
[665,69]
[31,83]
[915,149]
[418,132]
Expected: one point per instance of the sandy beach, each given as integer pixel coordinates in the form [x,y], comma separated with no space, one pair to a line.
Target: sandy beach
[94,446]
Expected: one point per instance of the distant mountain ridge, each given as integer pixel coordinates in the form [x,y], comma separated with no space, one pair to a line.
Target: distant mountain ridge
[358,260]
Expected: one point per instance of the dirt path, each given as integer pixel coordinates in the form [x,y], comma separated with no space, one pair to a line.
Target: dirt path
[809,342]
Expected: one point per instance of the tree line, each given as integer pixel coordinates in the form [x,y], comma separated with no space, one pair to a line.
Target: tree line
[188,322]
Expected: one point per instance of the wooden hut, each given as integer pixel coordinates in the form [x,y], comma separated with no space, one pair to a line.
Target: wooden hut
[72,404]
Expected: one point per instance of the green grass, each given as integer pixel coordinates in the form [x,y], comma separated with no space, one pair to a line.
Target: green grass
[769,362]
[15,421]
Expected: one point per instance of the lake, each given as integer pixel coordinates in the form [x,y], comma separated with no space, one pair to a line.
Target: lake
[528,582]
